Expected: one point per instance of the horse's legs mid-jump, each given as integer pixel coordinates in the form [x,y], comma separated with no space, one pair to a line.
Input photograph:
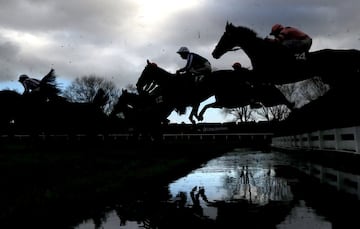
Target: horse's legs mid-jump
[193,113]
[200,116]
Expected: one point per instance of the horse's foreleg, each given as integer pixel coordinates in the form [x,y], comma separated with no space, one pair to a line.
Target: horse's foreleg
[201,114]
[193,113]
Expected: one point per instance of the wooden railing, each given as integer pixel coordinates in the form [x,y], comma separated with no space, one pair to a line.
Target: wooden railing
[340,139]
[218,138]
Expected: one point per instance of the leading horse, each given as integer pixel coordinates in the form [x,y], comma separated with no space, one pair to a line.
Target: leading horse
[276,64]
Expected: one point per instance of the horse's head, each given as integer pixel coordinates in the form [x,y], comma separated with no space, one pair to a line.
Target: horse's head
[149,76]
[232,38]
[126,104]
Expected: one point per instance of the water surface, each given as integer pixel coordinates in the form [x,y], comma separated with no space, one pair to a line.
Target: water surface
[243,187]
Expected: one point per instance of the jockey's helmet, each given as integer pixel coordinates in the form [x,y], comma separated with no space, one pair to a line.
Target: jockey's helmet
[276,29]
[236,65]
[183,50]
[23,77]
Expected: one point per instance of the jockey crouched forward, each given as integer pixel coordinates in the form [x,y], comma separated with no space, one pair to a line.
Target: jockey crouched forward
[243,72]
[294,39]
[196,66]
[29,84]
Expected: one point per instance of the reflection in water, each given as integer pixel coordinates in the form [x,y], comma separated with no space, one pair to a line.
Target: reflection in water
[237,176]
[237,184]
[248,188]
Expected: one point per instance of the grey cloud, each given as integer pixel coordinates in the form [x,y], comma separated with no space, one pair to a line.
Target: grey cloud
[8,56]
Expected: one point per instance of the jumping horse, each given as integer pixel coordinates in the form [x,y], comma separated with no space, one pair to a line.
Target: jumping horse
[230,89]
[276,64]
[172,90]
[44,111]
[142,113]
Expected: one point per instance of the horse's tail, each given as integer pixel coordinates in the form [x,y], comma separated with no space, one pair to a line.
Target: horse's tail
[48,84]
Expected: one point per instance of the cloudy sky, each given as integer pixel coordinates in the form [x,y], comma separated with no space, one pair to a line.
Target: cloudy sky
[113,38]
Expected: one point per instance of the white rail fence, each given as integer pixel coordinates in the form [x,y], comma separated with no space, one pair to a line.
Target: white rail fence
[340,139]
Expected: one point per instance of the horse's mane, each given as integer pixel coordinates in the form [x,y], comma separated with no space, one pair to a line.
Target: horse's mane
[161,70]
[246,30]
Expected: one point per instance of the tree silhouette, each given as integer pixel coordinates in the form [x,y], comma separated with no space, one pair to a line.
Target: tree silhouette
[275,113]
[242,114]
[84,89]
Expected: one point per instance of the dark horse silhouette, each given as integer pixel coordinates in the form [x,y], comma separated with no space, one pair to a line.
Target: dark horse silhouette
[31,114]
[141,112]
[233,89]
[230,88]
[44,111]
[276,64]
[48,87]
[172,90]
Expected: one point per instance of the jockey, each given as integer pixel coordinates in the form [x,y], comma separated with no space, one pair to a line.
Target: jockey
[29,84]
[293,38]
[196,65]
[238,68]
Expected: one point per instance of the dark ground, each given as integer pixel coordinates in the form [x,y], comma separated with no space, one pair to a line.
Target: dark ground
[57,187]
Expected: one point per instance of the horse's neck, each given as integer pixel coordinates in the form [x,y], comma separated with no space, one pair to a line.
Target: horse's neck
[263,53]
[162,77]
[255,49]
[165,74]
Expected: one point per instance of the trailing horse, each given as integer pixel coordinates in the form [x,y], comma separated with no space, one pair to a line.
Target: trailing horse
[32,114]
[275,64]
[141,113]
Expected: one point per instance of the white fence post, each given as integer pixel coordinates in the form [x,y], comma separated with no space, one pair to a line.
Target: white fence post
[357,139]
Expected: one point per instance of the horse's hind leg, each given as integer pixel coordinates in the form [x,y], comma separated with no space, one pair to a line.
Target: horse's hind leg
[193,113]
[201,114]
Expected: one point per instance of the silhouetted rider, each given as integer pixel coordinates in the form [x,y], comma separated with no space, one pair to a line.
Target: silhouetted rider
[196,65]
[239,69]
[296,40]
[29,84]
